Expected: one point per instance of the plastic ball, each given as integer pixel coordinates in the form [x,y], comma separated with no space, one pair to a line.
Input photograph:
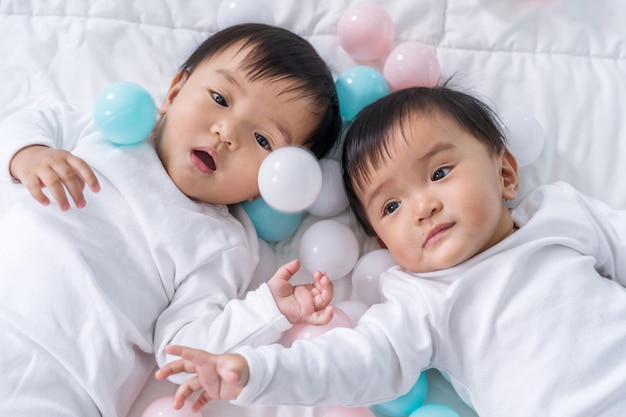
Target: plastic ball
[164,407]
[332,198]
[354,309]
[125,113]
[434,410]
[266,267]
[366,272]
[233,12]
[290,179]
[365,31]
[357,87]
[525,135]
[407,403]
[411,64]
[329,246]
[341,411]
[307,331]
[271,225]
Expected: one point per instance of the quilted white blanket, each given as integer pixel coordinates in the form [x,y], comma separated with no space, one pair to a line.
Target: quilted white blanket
[563,61]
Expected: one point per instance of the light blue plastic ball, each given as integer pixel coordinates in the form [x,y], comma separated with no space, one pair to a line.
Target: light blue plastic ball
[271,225]
[434,410]
[125,113]
[357,87]
[407,403]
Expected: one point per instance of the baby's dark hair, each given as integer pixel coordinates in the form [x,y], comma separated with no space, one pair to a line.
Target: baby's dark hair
[367,140]
[279,54]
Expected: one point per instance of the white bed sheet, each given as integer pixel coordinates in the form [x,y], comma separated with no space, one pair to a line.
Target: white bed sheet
[564,61]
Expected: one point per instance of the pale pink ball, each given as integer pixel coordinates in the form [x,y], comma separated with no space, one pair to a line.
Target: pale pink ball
[411,64]
[341,411]
[365,31]
[309,331]
[164,407]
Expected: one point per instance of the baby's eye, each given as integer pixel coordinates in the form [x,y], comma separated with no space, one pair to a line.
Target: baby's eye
[440,173]
[262,141]
[219,99]
[391,207]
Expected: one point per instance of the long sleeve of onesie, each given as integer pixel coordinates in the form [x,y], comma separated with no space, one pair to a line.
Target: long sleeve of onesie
[143,265]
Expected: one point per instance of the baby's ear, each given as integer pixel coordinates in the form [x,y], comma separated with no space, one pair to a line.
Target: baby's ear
[509,175]
[177,83]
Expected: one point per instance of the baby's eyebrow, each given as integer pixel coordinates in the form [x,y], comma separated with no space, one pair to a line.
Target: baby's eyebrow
[434,150]
[228,75]
[374,194]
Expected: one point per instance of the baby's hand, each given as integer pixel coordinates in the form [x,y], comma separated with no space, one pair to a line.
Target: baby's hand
[61,172]
[302,303]
[218,377]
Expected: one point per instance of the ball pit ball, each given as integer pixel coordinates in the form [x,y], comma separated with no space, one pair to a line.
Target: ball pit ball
[125,113]
[332,198]
[524,134]
[407,403]
[434,410]
[357,87]
[341,411]
[366,272]
[329,246]
[354,309]
[411,64]
[271,225]
[290,179]
[305,331]
[365,31]
[164,407]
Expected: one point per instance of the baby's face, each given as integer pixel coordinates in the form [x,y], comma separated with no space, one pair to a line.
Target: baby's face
[438,199]
[218,126]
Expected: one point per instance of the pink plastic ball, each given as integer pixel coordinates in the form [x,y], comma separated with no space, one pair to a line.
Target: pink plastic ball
[341,411]
[411,64]
[309,331]
[164,407]
[365,31]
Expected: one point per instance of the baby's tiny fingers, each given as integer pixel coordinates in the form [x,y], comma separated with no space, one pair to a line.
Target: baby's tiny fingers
[185,391]
[86,174]
[34,188]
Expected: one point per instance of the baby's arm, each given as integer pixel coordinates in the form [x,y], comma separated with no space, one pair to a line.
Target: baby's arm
[217,377]
[38,167]
[35,151]
[302,303]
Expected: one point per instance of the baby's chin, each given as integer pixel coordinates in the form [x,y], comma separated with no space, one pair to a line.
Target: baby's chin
[435,265]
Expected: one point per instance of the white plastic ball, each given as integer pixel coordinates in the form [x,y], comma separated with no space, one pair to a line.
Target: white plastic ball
[329,246]
[524,134]
[332,198]
[290,179]
[366,273]
[233,12]
[354,309]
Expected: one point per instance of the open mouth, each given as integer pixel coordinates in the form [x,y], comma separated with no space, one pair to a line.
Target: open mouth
[206,159]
